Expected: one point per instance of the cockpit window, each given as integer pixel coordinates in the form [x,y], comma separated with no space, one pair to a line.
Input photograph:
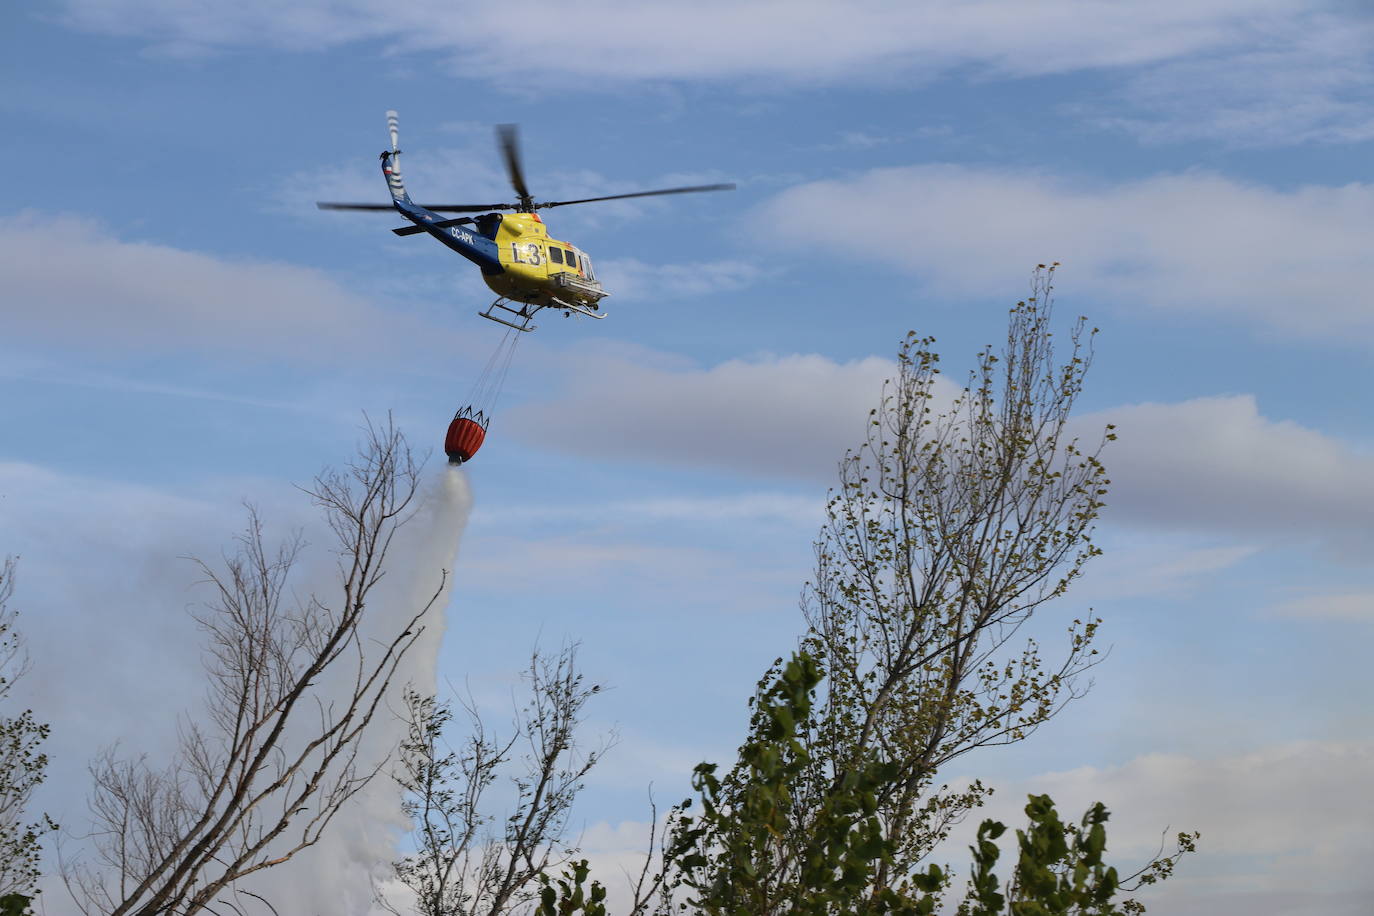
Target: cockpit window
[572,259]
[587,267]
[555,254]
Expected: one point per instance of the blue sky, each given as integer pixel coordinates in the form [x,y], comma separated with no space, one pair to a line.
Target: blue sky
[184,330]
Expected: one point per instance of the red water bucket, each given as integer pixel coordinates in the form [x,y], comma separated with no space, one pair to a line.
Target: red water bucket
[465,435]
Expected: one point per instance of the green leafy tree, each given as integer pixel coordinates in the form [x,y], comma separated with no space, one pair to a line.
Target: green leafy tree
[1060,868]
[964,512]
[739,855]
[731,858]
[571,894]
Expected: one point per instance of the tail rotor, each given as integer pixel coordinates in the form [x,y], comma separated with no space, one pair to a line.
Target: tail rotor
[391,161]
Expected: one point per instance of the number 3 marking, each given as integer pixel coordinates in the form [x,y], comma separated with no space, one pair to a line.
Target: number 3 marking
[530,252]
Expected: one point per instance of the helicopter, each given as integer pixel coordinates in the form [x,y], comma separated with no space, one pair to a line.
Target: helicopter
[527,269]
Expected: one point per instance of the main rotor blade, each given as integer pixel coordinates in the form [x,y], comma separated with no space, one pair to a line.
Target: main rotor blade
[469,208]
[437,208]
[325,205]
[691,190]
[508,136]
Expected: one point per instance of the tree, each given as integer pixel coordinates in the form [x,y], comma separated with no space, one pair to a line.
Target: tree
[958,519]
[295,683]
[1060,867]
[22,765]
[740,856]
[953,524]
[467,861]
[743,853]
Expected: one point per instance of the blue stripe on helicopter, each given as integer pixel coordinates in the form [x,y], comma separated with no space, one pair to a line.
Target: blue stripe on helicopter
[478,249]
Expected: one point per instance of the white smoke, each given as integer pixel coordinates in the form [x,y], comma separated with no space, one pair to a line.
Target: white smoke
[337,876]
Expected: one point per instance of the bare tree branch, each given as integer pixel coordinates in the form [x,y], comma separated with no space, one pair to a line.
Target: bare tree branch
[469,860]
[294,685]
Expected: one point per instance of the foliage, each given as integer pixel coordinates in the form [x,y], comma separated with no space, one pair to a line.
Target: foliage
[15,904]
[728,860]
[22,766]
[959,518]
[962,514]
[572,896]
[737,855]
[1060,869]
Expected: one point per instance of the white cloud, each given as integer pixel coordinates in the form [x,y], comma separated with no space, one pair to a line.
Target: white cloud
[609,568]
[579,561]
[765,507]
[1306,82]
[1219,464]
[1267,71]
[69,281]
[1168,569]
[1284,828]
[805,41]
[630,279]
[792,415]
[1358,606]
[753,508]
[1213,464]
[1296,261]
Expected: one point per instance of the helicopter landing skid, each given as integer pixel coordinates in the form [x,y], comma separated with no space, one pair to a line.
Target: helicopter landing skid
[523,315]
[575,307]
[522,318]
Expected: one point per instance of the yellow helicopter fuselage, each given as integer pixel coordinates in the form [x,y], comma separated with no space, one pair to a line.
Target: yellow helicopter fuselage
[540,270]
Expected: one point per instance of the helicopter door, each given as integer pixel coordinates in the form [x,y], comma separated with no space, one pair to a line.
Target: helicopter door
[564,257]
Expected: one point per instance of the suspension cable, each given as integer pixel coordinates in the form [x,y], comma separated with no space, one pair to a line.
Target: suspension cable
[487,389]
